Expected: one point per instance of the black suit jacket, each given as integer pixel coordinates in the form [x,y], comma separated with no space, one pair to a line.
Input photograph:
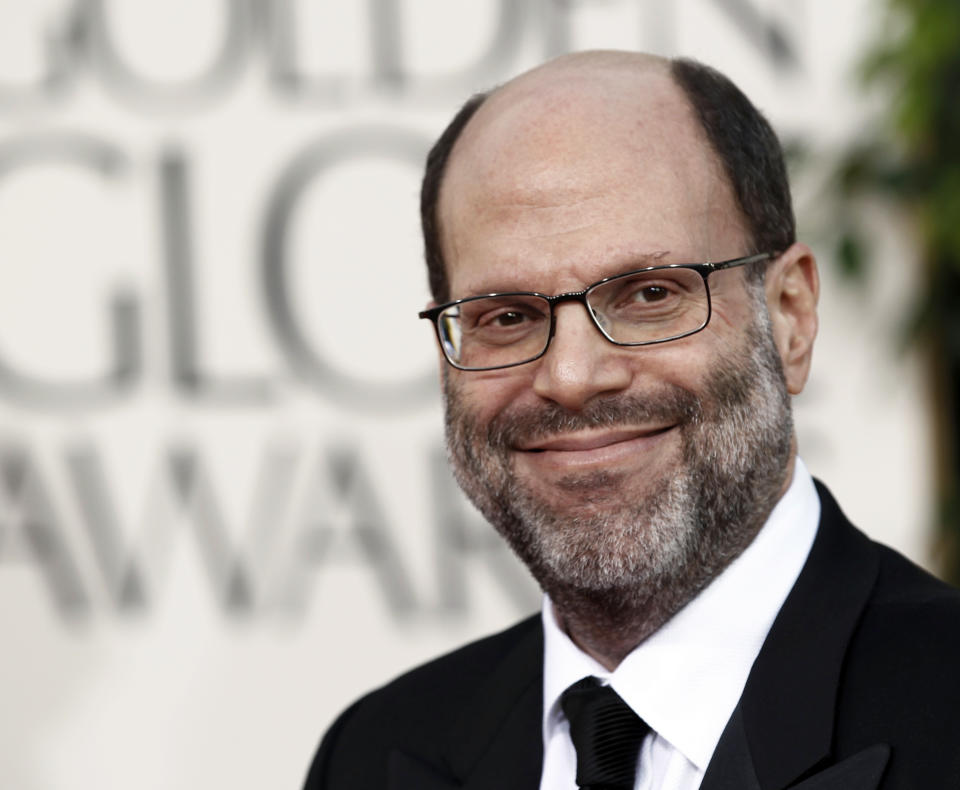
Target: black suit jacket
[856,688]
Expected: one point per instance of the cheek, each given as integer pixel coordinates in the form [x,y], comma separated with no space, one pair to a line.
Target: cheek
[485,394]
[684,363]
[728,319]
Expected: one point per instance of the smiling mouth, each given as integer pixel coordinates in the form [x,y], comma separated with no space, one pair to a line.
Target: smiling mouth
[586,442]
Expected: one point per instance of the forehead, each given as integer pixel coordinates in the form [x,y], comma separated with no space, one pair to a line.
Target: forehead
[581,169]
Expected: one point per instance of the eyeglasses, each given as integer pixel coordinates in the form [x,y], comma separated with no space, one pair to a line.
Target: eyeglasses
[652,305]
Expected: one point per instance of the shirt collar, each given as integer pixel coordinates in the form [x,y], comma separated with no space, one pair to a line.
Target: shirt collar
[686,679]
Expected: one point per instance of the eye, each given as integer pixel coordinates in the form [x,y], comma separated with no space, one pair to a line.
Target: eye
[650,293]
[646,295]
[507,318]
[644,291]
[499,314]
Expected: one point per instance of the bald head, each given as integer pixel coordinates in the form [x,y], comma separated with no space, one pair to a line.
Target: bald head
[566,138]
[557,131]
[576,87]
[579,109]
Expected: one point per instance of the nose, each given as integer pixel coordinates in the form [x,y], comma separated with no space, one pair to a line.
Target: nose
[580,363]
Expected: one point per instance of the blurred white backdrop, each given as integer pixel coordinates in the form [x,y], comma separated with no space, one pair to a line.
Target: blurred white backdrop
[224,510]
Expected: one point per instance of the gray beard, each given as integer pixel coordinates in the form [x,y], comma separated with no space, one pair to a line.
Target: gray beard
[625,563]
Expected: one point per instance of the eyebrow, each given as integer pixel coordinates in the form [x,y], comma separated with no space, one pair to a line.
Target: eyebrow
[628,263]
[641,261]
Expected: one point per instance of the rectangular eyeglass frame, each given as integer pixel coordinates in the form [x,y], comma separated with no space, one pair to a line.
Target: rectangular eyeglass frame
[703,269]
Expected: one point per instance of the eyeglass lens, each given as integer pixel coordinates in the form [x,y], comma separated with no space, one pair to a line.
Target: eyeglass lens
[643,307]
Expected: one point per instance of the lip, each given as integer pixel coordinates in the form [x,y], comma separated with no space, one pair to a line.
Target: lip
[594,447]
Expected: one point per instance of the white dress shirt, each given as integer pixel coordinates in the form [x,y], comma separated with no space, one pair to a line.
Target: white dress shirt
[686,679]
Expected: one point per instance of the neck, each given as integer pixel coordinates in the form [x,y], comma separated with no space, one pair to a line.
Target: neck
[609,633]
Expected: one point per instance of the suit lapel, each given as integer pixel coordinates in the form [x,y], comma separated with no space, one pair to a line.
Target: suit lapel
[408,773]
[783,725]
[513,758]
[862,771]
[496,742]
[731,767]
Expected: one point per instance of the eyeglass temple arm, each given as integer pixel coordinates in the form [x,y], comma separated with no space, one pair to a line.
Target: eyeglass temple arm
[760,256]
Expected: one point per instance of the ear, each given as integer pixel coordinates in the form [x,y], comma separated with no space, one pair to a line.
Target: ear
[792,289]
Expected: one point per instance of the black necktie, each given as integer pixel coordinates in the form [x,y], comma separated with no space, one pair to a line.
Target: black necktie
[606,734]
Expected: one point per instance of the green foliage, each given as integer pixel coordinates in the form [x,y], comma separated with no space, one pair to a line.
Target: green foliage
[913,160]
[850,256]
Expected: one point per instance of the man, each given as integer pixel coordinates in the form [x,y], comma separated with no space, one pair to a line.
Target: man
[710,618]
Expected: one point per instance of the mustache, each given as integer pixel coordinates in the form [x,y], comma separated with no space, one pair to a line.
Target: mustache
[668,404]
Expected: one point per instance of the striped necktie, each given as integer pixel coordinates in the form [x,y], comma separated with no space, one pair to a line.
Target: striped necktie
[606,734]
